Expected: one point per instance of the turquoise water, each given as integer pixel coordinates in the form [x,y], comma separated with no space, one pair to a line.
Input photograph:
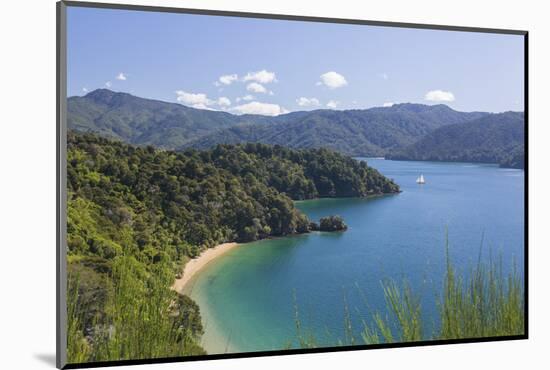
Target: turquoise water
[247,295]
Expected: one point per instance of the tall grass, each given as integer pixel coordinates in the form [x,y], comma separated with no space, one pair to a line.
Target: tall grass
[78,348]
[139,320]
[485,303]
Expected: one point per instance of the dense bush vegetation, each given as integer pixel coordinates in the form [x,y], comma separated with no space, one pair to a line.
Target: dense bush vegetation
[135,214]
[332,223]
[161,202]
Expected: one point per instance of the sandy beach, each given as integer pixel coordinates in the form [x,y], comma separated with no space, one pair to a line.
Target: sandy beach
[196,264]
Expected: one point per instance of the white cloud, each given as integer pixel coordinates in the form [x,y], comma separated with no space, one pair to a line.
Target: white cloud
[199,101]
[256,87]
[248,97]
[85,90]
[333,104]
[108,84]
[121,76]
[224,102]
[388,104]
[439,95]
[384,76]
[332,80]
[255,107]
[263,77]
[307,102]
[245,98]
[227,79]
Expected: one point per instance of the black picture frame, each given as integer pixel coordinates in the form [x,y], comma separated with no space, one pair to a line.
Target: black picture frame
[61,176]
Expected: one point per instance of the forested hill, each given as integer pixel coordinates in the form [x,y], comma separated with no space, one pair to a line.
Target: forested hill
[142,121]
[368,132]
[175,202]
[495,138]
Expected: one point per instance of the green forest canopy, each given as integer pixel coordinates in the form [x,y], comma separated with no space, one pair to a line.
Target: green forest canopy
[150,199]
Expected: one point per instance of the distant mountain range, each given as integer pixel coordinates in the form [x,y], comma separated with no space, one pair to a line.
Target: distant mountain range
[404,131]
[369,132]
[493,138]
[143,121]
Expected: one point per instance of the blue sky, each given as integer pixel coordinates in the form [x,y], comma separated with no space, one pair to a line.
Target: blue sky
[270,67]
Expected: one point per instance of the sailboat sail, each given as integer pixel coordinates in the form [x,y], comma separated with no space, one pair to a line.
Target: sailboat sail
[420,180]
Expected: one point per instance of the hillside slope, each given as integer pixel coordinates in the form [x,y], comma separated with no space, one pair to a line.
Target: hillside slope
[494,138]
[369,132]
[142,121]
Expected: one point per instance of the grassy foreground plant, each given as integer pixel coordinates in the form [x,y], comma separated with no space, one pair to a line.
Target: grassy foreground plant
[142,318]
[485,303]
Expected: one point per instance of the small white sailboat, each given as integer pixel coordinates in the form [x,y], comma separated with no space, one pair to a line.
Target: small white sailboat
[420,180]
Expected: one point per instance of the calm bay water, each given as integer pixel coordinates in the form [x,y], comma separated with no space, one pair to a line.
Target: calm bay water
[247,296]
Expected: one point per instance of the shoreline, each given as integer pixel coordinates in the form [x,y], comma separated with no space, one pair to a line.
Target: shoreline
[214,341]
[193,266]
[497,164]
